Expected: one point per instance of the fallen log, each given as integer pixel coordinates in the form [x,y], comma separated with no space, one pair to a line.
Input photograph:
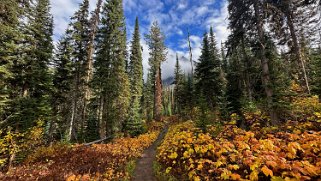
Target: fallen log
[98,141]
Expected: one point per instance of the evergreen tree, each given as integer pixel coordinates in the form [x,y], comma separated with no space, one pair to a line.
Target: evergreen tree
[243,14]
[80,37]
[9,36]
[167,101]
[217,70]
[157,54]
[31,77]
[62,81]
[316,71]
[289,10]
[188,95]
[207,72]
[111,67]
[134,123]
[148,97]
[234,88]
[178,90]
[91,102]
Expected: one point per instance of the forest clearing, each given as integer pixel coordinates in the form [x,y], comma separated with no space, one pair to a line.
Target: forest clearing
[160,90]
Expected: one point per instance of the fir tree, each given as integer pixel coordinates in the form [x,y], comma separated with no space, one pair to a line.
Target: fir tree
[31,77]
[243,14]
[9,36]
[134,123]
[207,73]
[148,97]
[111,67]
[80,38]
[217,71]
[62,81]
[233,87]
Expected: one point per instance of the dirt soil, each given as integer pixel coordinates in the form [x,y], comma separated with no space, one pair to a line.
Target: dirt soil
[144,167]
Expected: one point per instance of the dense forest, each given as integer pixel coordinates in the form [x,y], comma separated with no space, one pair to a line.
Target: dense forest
[80,108]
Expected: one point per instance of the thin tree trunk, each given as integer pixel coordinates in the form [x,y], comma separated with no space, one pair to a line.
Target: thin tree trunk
[11,159]
[52,121]
[297,48]
[266,80]
[73,109]
[158,96]
[72,119]
[102,126]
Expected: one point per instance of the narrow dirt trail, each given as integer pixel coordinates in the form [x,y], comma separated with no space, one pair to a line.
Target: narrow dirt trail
[144,167]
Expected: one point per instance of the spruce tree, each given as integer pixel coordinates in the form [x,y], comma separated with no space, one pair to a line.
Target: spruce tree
[62,81]
[243,14]
[111,67]
[31,77]
[155,40]
[134,123]
[79,27]
[207,73]
[9,36]
[148,97]
[217,71]
[234,90]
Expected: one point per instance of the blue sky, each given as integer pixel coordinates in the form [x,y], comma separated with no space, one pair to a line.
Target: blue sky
[174,17]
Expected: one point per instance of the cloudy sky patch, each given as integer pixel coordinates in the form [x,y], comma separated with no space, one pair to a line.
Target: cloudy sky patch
[175,17]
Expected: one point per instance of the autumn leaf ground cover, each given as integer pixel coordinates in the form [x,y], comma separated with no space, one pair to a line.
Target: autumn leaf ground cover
[225,152]
[78,162]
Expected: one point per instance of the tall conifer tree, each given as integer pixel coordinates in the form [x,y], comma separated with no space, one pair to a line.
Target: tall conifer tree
[207,72]
[179,87]
[134,123]
[31,71]
[80,38]
[111,67]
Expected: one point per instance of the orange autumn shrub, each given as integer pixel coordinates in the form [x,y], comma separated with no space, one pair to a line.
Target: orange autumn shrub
[78,162]
[236,154]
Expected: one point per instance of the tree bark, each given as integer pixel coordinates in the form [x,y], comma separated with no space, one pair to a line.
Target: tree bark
[88,65]
[102,126]
[158,96]
[266,80]
[297,48]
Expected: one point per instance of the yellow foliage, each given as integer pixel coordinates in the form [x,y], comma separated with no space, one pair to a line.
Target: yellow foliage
[235,154]
[267,171]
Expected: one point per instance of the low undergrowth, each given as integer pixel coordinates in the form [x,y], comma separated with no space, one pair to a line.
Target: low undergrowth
[112,161]
[291,151]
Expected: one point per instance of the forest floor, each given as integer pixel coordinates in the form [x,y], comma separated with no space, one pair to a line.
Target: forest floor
[111,161]
[144,167]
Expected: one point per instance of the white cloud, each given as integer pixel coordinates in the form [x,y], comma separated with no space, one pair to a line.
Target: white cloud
[219,22]
[62,10]
[174,17]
